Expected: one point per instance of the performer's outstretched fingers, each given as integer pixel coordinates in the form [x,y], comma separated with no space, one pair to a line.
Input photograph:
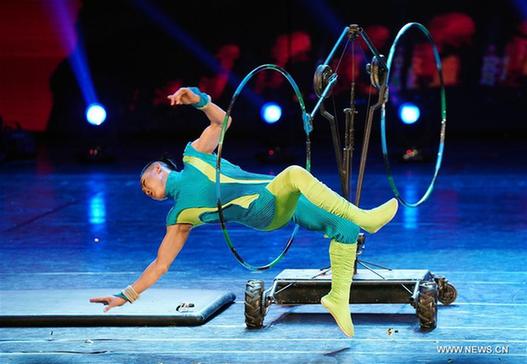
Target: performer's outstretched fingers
[180,94]
[103,300]
[175,97]
[180,91]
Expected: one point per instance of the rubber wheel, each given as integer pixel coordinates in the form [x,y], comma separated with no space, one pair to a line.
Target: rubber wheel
[447,294]
[427,305]
[254,304]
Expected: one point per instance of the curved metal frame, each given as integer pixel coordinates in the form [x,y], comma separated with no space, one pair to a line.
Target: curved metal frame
[439,157]
[307,127]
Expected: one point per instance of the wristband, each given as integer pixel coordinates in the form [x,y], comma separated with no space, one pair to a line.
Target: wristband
[128,294]
[204,99]
[121,295]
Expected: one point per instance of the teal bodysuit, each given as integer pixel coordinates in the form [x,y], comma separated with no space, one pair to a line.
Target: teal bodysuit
[245,199]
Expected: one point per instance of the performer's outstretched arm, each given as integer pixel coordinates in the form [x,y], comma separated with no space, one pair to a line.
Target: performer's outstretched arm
[208,141]
[169,248]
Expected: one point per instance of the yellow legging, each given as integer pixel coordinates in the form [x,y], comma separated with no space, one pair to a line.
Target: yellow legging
[294,181]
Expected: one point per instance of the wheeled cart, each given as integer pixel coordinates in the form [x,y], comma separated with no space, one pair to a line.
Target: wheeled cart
[420,288]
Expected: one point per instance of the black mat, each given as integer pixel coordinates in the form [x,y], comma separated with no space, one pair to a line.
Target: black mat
[71,307]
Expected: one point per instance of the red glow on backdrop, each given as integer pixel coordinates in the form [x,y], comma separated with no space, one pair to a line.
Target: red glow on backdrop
[452,29]
[379,35]
[294,47]
[516,57]
[226,56]
[32,51]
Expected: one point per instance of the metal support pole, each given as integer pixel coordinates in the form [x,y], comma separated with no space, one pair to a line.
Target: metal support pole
[336,144]
[349,142]
[366,142]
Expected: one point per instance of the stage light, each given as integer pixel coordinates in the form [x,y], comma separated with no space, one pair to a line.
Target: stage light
[97,209]
[271,112]
[409,113]
[95,114]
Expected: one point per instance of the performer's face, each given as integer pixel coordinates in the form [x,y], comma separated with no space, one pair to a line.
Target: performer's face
[153,183]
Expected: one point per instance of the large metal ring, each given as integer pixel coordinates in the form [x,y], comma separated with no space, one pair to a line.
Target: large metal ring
[439,157]
[305,117]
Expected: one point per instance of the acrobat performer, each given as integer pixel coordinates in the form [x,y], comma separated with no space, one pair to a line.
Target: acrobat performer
[262,202]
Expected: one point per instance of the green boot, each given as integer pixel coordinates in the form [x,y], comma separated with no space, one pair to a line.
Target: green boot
[342,258]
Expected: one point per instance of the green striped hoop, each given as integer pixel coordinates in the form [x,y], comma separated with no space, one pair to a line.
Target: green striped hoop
[307,129]
[439,157]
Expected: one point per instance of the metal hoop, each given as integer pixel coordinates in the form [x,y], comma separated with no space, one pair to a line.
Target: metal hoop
[439,157]
[307,129]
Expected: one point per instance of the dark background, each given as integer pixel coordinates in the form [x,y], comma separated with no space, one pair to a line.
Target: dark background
[140,51]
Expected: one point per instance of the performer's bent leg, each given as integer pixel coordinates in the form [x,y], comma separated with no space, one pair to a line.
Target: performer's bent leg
[314,218]
[294,180]
[342,253]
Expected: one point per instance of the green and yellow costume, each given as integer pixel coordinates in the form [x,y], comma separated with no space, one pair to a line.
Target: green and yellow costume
[266,202]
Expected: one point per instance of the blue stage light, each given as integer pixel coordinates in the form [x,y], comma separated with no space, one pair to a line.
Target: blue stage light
[97,211]
[271,112]
[95,114]
[409,113]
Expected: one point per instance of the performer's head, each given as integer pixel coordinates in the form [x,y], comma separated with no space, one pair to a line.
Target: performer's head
[154,179]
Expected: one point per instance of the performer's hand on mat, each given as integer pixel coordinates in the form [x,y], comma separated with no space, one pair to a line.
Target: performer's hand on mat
[183,96]
[109,301]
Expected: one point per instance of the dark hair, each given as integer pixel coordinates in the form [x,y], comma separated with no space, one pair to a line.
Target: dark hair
[169,162]
[165,162]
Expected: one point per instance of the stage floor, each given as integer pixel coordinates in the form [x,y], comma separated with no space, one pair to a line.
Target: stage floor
[74,226]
